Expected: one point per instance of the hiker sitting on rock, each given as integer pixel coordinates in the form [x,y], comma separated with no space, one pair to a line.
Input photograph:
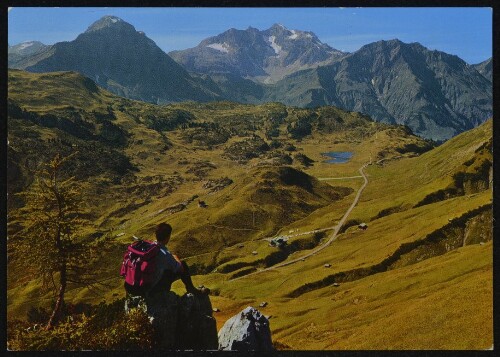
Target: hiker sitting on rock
[169,267]
[149,270]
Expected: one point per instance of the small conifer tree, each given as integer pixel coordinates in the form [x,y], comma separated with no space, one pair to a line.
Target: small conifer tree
[50,241]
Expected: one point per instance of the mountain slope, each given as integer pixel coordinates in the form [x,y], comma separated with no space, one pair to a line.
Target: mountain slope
[421,272]
[437,95]
[265,56]
[123,60]
[188,143]
[19,52]
[485,68]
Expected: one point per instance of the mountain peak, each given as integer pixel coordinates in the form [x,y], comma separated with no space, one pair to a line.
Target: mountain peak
[280,27]
[26,48]
[266,55]
[391,42]
[397,42]
[108,22]
[26,44]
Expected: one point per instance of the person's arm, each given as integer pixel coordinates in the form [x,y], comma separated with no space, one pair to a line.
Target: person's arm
[180,266]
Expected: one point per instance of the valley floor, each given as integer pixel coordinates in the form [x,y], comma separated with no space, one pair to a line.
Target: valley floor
[419,277]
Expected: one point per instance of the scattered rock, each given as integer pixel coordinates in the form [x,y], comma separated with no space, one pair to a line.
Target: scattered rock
[336,284]
[327,265]
[120,234]
[215,309]
[200,169]
[247,331]
[263,304]
[181,206]
[217,185]
[481,243]
[255,252]
[176,208]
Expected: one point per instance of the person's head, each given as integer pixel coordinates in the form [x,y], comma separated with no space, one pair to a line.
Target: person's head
[163,232]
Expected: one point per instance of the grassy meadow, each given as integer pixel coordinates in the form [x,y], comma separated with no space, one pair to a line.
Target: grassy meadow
[420,276]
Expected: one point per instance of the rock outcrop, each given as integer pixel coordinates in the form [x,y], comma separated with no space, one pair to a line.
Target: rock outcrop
[246,331]
[180,323]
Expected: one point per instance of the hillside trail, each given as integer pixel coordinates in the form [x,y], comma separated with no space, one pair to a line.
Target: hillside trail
[333,236]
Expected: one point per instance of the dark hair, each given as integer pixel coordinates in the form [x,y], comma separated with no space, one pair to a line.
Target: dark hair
[163,231]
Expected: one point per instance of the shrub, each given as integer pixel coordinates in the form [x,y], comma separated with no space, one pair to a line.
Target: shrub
[303,159]
[106,327]
[349,223]
[246,149]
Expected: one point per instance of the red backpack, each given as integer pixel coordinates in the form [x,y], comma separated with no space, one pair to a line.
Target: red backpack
[139,266]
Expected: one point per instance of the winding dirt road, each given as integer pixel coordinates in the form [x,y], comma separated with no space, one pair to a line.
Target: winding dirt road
[333,236]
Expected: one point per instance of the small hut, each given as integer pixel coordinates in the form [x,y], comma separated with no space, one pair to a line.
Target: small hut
[278,242]
[363,226]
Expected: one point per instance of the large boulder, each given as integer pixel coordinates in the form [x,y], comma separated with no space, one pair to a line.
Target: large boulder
[247,331]
[180,323]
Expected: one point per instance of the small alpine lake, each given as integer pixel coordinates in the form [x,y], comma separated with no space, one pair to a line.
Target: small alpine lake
[337,157]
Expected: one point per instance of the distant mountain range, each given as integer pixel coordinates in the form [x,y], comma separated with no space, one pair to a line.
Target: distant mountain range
[117,57]
[265,56]
[23,50]
[436,94]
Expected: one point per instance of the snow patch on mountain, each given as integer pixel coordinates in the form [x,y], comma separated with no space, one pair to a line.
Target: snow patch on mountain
[294,35]
[222,47]
[277,48]
[24,45]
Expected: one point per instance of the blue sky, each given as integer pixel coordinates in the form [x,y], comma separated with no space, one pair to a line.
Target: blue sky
[466,32]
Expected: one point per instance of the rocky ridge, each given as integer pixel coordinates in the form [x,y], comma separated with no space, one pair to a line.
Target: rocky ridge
[265,56]
[123,60]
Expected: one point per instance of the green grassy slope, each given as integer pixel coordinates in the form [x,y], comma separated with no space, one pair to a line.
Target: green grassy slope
[409,274]
[424,299]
